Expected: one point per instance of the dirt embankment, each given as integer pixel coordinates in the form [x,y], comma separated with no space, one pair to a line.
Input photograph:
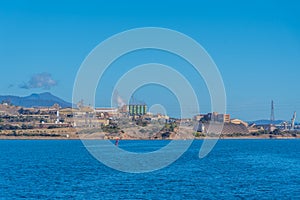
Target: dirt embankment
[72,133]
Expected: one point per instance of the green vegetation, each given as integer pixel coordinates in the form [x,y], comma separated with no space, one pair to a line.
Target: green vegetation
[26,126]
[8,127]
[276,132]
[262,132]
[170,127]
[142,123]
[235,135]
[142,131]
[53,127]
[199,134]
[14,133]
[112,128]
[13,127]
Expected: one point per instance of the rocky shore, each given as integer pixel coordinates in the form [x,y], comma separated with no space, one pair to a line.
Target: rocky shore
[72,133]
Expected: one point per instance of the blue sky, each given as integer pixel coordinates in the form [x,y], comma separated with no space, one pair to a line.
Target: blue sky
[255,44]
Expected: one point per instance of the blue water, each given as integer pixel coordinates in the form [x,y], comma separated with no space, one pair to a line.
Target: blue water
[235,169]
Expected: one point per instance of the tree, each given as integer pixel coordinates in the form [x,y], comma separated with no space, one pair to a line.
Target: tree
[276,132]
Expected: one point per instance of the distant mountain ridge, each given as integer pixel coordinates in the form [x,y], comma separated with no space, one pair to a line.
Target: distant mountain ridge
[266,121]
[45,99]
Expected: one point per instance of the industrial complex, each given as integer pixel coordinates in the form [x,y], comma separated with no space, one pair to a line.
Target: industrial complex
[15,119]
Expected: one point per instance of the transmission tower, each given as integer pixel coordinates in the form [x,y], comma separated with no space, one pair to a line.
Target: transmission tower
[272,119]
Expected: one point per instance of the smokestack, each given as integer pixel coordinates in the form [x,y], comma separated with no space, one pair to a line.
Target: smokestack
[118,100]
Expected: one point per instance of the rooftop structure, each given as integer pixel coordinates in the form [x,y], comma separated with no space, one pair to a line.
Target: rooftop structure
[228,128]
[238,121]
[216,117]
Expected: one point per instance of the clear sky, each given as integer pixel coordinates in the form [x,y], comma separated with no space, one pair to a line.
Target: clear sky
[255,44]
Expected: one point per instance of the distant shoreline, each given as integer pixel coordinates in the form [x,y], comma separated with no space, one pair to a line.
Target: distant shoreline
[137,139]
